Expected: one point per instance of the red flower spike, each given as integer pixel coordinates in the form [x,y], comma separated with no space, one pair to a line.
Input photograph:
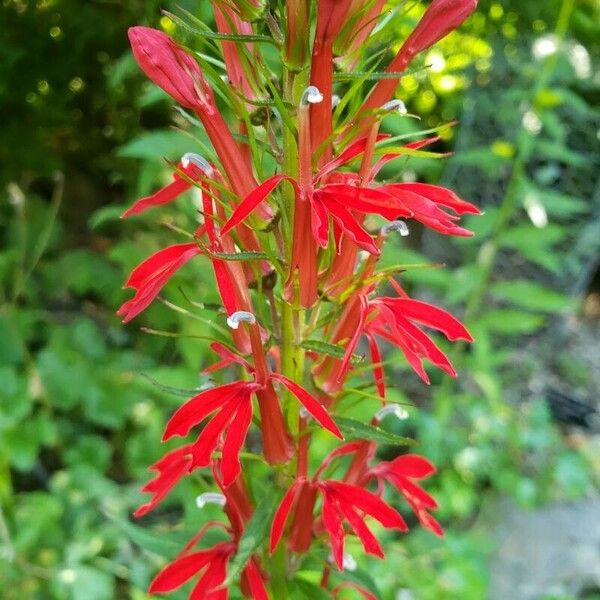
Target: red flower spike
[149,277]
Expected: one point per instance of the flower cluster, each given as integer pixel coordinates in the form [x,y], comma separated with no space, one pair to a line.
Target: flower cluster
[301,249]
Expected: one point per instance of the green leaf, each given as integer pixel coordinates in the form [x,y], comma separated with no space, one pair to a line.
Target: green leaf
[531,295]
[254,535]
[332,350]
[302,588]
[90,583]
[355,430]
[151,542]
[363,579]
[239,256]
[211,35]
[156,145]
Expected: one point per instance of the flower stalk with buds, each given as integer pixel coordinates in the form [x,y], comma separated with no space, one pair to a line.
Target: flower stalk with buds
[294,250]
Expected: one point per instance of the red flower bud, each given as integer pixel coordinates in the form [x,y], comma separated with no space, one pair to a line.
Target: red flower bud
[170,67]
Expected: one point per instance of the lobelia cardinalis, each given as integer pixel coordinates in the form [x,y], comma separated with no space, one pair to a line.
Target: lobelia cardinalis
[299,246]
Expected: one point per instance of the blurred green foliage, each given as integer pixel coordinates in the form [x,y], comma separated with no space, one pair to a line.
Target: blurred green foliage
[83,399]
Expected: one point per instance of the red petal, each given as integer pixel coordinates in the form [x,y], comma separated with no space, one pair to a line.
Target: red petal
[163,196]
[350,153]
[350,226]
[312,405]
[151,275]
[252,200]
[256,581]
[369,503]
[368,540]
[171,468]
[344,450]
[442,196]
[234,440]
[199,407]
[432,316]
[159,261]
[412,465]
[377,359]
[333,526]
[213,577]
[282,513]
[208,440]
[179,571]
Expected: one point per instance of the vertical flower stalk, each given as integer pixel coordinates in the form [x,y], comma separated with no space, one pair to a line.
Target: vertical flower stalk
[290,229]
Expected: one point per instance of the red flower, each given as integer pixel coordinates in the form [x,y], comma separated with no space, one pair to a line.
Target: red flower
[341,502]
[149,277]
[170,468]
[231,407]
[400,473]
[394,320]
[211,564]
[214,563]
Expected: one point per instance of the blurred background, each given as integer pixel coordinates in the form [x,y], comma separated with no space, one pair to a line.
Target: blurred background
[83,399]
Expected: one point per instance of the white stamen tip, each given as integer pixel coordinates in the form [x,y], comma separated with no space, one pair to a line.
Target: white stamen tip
[210,498]
[196,159]
[335,100]
[391,409]
[395,105]
[241,316]
[304,413]
[399,226]
[311,95]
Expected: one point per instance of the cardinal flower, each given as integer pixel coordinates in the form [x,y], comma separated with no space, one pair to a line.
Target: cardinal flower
[340,502]
[395,320]
[211,563]
[231,408]
[149,277]
[401,473]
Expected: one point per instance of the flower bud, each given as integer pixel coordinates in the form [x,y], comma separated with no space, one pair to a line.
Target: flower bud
[170,67]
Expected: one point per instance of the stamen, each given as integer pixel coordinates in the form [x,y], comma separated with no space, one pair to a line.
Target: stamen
[196,159]
[335,100]
[395,105]
[311,95]
[400,226]
[391,409]
[210,498]
[240,316]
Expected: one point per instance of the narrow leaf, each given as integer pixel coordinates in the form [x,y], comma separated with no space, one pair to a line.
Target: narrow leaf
[355,430]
